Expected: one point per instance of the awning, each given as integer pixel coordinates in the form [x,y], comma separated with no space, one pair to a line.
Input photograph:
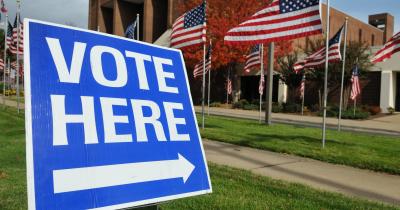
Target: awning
[164,39]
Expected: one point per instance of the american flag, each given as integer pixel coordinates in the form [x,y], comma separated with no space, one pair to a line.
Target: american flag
[3,7]
[261,85]
[2,65]
[13,65]
[302,86]
[390,48]
[318,58]
[190,28]
[18,33]
[131,30]
[281,20]
[253,59]
[355,87]
[10,42]
[229,86]
[198,69]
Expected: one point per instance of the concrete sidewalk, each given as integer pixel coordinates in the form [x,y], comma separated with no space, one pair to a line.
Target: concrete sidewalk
[347,180]
[389,125]
[11,103]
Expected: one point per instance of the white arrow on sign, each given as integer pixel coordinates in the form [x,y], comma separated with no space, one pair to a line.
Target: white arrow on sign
[69,180]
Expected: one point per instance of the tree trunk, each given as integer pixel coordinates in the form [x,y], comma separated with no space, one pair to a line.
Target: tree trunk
[319,99]
[292,95]
[346,96]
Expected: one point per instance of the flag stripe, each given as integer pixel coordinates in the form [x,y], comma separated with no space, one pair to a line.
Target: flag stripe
[261,85]
[281,22]
[355,88]
[318,58]
[229,86]
[390,48]
[189,29]
[282,36]
[276,23]
[178,34]
[198,69]
[253,59]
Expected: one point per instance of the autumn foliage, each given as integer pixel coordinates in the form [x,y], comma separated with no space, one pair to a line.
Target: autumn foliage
[223,15]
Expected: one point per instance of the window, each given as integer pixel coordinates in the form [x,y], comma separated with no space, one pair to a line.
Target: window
[373,40]
[360,35]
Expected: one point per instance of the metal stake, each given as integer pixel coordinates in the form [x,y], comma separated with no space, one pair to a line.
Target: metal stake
[269,82]
[343,69]
[326,74]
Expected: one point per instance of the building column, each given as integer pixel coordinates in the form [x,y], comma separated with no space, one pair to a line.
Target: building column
[101,25]
[118,28]
[282,92]
[237,88]
[387,90]
[148,21]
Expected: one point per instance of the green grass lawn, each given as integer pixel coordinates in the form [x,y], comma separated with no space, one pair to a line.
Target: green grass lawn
[374,152]
[12,160]
[14,98]
[232,188]
[238,189]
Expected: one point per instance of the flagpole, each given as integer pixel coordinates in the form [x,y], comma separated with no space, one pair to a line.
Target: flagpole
[227,84]
[9,74]
[5,58]
[343,69]
[204,72]
[209,84]
[326,74]
[303,93]
[18,34]
[204,85]
[137,26]
[261,79]
[269,82]
[355,106]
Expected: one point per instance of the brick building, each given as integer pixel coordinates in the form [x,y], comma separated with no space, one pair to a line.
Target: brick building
[114,16]
[157,17]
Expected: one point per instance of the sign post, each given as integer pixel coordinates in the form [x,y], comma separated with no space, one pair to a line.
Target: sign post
[269,85]
[110,122]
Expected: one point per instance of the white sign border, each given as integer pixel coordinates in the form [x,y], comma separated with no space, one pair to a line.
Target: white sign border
[28,122]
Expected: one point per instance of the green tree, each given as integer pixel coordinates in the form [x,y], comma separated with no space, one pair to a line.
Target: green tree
[288,75]
[356,53]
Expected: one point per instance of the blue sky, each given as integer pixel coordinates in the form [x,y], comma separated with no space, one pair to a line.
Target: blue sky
[76,11]
[360,9]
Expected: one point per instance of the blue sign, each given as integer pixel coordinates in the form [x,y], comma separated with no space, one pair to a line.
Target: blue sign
[110,122]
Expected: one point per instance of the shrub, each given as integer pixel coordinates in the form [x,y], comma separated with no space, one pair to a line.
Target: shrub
[306,110]
[314,108]
[391,110]
[240,104]
[215,104]
[277,108]
[333,108]
[291,108]
[360,115]
[329,113]
[255,102]
[251,107]
[374,110]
